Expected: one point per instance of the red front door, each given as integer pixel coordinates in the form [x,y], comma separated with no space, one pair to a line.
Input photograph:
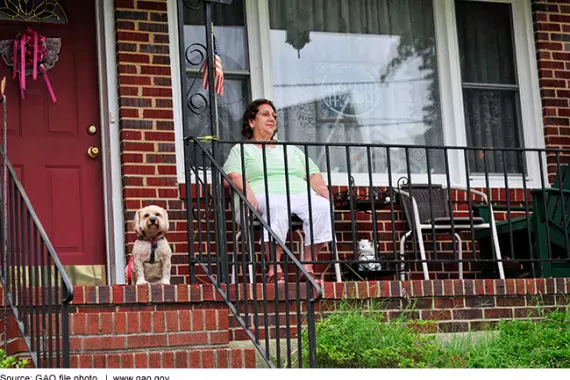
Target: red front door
[48,143]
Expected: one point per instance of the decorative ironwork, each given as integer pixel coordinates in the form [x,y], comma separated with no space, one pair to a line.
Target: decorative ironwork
[194,4]
[195,55]
[33,11]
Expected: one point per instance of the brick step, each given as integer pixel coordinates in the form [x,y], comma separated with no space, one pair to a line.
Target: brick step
[195,358]
[136,330]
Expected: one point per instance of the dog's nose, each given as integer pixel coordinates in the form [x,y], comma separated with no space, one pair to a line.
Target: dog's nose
[152,220]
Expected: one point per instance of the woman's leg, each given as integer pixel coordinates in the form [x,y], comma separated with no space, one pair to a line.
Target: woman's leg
[278,221]
[270,263]
[319,221]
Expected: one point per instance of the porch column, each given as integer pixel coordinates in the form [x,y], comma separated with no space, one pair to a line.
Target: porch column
[551,21]
[148,159]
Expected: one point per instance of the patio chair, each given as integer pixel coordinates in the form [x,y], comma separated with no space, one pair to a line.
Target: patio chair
[547,224]
[297,227]
[426,208]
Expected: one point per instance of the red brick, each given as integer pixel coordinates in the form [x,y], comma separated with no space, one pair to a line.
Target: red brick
[134,80]
[161,181]
[133,324]
[181,359]
[125,112]
[160,70]
[155,360]
[207,359]
[99,361]
[141,360]
[159,136]
[127,360]
[120,323]
[114,361]
[132,36]
[151,6]
[157,92]
[158,114]
[168,359]
[158,322]
[172,321]
[128,91]
[188,338]
[195,359]
[168,193]
[146,341]
[146,322]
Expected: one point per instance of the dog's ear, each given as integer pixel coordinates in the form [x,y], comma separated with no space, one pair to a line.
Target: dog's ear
[166,222]
[137,223]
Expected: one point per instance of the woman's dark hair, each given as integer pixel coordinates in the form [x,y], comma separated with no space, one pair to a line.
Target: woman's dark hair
[249,114]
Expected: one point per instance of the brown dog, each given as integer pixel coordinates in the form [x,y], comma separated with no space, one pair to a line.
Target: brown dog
[150,259]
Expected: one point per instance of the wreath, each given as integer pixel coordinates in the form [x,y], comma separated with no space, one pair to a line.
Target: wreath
[30,53]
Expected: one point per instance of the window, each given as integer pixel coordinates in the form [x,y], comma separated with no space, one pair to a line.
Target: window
[357,71]
[489,82]
[408,72]
[230,33]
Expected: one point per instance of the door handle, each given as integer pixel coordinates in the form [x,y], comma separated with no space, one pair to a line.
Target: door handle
[93,152]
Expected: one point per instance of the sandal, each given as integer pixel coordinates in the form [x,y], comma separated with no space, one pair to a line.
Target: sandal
[271,277]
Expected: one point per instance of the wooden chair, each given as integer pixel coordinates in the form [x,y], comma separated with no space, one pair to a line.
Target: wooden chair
[547,224]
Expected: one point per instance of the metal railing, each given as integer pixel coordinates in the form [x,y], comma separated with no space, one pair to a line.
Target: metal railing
[225,259]
[36,288]
[430,212]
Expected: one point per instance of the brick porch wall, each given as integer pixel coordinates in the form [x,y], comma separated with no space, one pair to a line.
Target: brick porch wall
[148,159]
[552,35]
[146,113]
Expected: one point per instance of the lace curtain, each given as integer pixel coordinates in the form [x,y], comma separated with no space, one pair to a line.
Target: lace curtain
[490,91]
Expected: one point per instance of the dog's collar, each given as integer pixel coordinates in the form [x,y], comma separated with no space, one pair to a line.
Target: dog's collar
[153,245]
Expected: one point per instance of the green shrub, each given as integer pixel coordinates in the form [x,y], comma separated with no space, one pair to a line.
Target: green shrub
[11,361]
[353,337]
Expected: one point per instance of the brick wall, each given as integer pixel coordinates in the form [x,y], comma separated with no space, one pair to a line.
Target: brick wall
[552,35]
[146,113]
[148,159]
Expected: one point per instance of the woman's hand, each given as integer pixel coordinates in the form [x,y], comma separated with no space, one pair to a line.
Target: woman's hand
[323,191]
[253,200]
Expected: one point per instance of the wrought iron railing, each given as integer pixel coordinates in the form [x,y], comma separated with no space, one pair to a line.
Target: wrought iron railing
[36,288]
[225,259]
[436,212]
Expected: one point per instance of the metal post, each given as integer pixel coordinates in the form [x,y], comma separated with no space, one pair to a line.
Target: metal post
[217,188]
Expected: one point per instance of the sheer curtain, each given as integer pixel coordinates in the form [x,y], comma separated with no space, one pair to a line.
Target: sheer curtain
[490,88]
[357,71]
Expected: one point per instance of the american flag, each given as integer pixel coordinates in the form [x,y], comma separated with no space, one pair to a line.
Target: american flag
[219,73]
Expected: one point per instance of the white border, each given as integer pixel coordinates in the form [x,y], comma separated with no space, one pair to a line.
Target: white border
[176,72]
[113,198]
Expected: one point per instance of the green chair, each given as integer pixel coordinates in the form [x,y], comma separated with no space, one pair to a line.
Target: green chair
[547,224]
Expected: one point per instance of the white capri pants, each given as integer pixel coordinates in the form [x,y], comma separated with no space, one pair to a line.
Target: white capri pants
[279,213]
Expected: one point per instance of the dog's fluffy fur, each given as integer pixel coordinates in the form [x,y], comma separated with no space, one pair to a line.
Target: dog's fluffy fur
[149,222]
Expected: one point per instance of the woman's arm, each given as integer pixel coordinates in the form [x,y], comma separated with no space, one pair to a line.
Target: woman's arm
[318,184]
[237,179]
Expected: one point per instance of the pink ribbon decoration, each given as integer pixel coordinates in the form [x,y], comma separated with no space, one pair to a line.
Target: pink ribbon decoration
[30,51]
[35,66]
[48,84]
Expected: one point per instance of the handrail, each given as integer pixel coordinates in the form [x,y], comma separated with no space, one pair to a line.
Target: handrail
[41,230]
[246,308]
[31,290]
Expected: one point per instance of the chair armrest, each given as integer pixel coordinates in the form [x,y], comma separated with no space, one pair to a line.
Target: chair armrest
[553,190]
[472,191]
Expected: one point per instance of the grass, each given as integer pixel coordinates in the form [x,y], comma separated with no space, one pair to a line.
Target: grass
[353,337]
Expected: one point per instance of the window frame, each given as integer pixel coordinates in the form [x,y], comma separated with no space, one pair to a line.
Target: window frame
[450,82]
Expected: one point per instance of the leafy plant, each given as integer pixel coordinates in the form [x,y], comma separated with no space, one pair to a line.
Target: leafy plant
[359,337]
[11,361]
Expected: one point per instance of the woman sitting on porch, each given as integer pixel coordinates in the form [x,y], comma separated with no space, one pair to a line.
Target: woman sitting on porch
[260,124]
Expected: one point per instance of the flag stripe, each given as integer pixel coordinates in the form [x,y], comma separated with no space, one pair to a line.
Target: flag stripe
[218,72]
